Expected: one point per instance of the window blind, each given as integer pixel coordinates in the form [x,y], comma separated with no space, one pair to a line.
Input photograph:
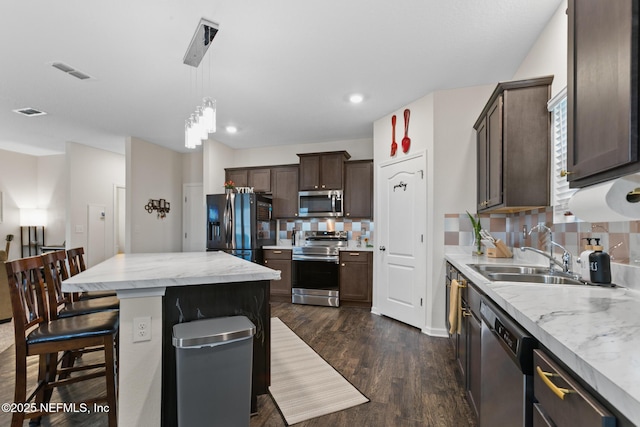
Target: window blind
[561,191]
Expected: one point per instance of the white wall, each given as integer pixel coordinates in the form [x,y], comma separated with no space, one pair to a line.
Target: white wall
[52,196]
[216,157]
[91,176]
[18,183]
[153,172]
[549,53]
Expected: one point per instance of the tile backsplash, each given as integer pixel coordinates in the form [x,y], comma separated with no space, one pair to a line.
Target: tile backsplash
[354,228]
[620,239]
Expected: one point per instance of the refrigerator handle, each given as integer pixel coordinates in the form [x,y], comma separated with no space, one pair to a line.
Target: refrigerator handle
[228,219]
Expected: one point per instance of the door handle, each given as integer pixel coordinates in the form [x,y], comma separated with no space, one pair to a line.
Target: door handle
[558,391]
[382,248]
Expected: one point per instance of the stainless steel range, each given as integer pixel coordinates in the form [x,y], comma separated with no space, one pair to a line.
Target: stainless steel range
[315,273]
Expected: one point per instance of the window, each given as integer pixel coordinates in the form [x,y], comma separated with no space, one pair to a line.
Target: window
[561,192]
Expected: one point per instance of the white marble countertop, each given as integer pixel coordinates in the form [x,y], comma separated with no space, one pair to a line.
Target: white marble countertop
[162,270]
[594,330]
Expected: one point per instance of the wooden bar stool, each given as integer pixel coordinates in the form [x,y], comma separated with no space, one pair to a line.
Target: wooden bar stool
[37,335]
[61,304]
[76,265]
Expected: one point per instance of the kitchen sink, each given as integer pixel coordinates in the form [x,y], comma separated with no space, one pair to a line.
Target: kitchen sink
[533,278]
[524,274]
[509,269]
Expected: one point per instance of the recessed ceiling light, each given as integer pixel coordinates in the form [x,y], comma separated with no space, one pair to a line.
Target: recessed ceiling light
[231,129]
[356,98]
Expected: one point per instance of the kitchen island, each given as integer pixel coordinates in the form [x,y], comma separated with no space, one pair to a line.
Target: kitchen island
[170,288]
[592,330]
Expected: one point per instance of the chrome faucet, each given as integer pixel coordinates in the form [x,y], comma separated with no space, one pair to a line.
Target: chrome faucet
[567,259]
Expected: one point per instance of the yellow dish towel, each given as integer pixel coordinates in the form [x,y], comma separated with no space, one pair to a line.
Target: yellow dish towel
[455,304]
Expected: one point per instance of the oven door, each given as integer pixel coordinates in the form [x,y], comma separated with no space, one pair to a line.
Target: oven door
[315,282]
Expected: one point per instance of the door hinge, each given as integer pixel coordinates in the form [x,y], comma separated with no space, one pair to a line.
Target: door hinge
[422,238]
[420,302]
[185,235]
[185,199]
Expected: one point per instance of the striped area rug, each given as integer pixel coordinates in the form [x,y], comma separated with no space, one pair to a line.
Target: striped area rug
[303,385]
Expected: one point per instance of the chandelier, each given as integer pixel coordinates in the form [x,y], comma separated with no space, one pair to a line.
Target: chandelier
[202,121]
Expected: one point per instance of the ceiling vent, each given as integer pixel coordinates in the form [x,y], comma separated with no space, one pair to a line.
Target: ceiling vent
[29,112]
[205,32]
[70,70]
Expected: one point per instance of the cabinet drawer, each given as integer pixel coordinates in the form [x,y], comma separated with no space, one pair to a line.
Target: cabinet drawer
[277,254]
[354,256]
[576,407]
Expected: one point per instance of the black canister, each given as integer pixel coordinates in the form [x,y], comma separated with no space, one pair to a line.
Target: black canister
[599,265]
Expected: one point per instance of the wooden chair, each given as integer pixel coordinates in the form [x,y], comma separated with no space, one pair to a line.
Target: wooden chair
[77,265]
[61,304]
[37,335]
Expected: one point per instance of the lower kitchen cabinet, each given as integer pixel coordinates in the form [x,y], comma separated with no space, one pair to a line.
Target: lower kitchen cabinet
[279,259]
[561,401]
[466,345]
[356,278]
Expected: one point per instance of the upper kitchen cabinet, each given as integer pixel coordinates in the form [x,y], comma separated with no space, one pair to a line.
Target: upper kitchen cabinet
[602,88]
[322,171]
[258,178]
[514,147]
[284,184]
[358,189]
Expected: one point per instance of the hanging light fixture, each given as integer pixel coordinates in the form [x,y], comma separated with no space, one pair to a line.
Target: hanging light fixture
[203,121]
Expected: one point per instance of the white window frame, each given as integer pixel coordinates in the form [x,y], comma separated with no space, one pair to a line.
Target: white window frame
[561,193]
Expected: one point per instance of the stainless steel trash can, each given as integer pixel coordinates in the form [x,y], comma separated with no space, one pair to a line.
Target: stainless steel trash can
[213,370]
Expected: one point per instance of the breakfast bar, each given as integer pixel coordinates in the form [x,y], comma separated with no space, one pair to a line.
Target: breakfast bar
[170,288]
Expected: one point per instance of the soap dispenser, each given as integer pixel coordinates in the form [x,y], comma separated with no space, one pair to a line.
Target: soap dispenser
[600,265]
[585,272]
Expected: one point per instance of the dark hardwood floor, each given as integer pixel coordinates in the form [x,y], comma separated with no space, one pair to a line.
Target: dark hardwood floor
[409,377]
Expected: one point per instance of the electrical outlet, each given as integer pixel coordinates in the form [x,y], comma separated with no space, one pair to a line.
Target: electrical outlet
[142,329]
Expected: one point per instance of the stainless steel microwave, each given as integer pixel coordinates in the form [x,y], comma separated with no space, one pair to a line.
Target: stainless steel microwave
[324,203]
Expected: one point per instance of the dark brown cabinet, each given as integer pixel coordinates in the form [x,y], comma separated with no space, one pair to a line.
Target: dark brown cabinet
[239,177]
[322,171]
[466,345]
[284,186]
[258,178]
[356,278]
[602,91]
[513,144]
[279,259]
[576,407]
[358,189]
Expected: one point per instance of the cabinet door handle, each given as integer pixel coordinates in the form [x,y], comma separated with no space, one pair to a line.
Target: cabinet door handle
[277,252]
[354,253]
[564,173]
[266,261]
[342,264]
[465,312]
[558,391]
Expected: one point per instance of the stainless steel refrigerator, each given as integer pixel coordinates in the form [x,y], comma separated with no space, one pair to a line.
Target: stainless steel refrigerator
[240,224]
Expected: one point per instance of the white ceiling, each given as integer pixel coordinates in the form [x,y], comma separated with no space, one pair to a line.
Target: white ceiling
[281,70]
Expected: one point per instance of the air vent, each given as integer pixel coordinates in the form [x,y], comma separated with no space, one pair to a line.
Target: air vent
[66,68]
[29,112]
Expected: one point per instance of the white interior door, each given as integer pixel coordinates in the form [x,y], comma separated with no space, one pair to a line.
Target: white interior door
[194,218]
[95,235]
[401,239]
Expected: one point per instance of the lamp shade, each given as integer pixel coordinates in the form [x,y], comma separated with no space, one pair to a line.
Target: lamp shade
[209,114]
[33,217]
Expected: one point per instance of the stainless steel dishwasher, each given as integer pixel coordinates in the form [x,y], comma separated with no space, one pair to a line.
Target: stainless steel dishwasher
[506,372]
